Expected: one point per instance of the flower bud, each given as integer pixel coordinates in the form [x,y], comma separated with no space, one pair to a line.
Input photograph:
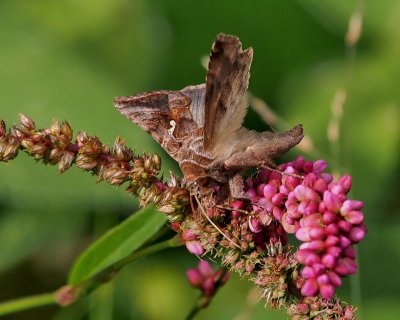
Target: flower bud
[310,288]
[188,234]
[195,247]
[205,268]
[194,276]
[334,279]
[319,166]
[328,260]
[254,225]
[27,122]
[355,217]
[332,201]
[356,234]
[327,291]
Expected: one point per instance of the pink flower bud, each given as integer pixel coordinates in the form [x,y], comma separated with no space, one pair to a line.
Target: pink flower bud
[344,241]
[320,185]
[274,176]
[308,166]
[334,279]
[288,224]
[332,201]
[331,241]
[311,208]
[332,229]
[283,190]
[293,213]
[300,192]
[313,220]
[260,188]
[195,247]
[310,288]
[298,163]
[303,234]
[323,279]
[344,226]
[327,177]
[335,251]
[350,264]
[318,268]
[307,257]
[317,233]
[291,182]
[302,207]
[319,166]
[355,217]
[277,199]
[205,268]
[308,273]
[309,180]
[336,188]
[317,245]
[254,225]
[326,291]
[277,213]
[328,260]
[194,276]
[208,287]
[351,205]
[265,204]
[252,195]
[356,234]
[265,218]
[312,195]
[188,235]
[269,191]
[350,252]
[345,182]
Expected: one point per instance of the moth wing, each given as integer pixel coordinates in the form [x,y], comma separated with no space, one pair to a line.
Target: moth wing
[165,115]
[226,84]
[197,97]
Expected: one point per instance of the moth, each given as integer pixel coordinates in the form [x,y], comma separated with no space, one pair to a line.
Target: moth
[200,126]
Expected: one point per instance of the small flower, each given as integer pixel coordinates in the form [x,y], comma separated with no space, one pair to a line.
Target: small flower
[206,279]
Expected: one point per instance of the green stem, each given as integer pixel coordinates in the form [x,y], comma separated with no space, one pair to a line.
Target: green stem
[26,303]
[199,304]
[170,243]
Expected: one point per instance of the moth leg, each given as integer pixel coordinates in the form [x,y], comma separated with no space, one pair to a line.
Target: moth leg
[236,186]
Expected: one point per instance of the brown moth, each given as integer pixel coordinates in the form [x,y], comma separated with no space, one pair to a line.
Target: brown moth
[201,126]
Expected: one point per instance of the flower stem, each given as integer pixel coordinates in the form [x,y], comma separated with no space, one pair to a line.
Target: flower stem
[199,304]
[26,303]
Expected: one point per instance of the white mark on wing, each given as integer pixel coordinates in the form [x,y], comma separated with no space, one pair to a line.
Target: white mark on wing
[173,126]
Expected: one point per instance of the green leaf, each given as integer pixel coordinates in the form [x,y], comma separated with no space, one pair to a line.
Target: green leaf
[117,243]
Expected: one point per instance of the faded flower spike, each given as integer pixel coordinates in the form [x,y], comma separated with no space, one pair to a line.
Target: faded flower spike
[115,165]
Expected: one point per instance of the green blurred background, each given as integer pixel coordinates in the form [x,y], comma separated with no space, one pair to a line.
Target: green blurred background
[69,58]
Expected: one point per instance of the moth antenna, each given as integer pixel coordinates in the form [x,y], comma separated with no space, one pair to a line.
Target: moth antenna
[283,173]
[214,225]
[232,209]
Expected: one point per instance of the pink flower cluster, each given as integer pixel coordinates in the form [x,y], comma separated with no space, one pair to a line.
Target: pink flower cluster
[308,203]
[206,279]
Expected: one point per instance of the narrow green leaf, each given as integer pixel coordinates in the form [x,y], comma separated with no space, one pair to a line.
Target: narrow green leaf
[117,243]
